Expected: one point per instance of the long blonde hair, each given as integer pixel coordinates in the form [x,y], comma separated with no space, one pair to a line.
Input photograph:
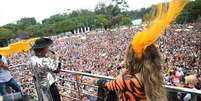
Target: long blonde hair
[149,68]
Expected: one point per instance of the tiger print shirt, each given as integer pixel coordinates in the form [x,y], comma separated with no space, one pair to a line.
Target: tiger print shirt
[128,88]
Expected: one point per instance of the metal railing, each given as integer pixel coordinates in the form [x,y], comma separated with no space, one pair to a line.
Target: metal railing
[194,93]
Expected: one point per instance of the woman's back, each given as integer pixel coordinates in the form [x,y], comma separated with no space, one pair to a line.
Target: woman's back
[128,87]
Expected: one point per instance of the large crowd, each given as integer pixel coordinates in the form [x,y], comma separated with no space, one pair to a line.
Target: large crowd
[103,53]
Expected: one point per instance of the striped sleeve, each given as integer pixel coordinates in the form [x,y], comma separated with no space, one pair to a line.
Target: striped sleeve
[115,85]
[129,89]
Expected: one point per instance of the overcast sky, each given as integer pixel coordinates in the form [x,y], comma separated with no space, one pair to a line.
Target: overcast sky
[13,10]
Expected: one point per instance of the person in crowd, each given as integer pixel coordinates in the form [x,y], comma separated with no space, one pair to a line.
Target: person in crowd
[6,79]
[142,80]
[191,83]
[179,73]
[199,82]
[198,86]
[43,69]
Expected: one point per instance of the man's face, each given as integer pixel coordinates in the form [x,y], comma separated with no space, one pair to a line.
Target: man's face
[46,50]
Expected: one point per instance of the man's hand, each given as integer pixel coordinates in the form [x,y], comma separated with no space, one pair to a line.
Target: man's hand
[4,66]
[1,63]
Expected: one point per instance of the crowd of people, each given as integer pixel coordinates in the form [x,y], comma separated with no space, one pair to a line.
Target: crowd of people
[181,46]
[103,53]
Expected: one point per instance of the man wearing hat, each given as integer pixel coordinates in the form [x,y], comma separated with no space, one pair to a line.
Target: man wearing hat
[44,69]
[6,78]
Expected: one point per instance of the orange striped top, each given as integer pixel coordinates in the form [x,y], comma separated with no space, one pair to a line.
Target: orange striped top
[128,88]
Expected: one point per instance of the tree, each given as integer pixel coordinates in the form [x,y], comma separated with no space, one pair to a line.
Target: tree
[125,21]
[138,14]
[55,18]
[34,30]
[64,26]
[101,21]
[5,33]
[47,29]
[100,8]
[74,14]
[12,27]
[191,12]
[122,4]
[107,16]
[113,11]
[25,22]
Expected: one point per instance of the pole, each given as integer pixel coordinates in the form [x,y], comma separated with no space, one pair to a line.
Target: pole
[78,87]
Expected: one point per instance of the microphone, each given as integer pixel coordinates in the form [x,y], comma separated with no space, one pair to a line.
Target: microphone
[52,52]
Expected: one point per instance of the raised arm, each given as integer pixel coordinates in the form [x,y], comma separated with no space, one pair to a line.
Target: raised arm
[114,85]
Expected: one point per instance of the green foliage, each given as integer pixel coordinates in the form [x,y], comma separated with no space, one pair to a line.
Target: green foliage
[5,33]
[64,26]
[104,16]
[191,12]
[101,21]
[34,30]
[138,14]
[112,14]
[25,22]
[12,27]
[122,4]
[125,20]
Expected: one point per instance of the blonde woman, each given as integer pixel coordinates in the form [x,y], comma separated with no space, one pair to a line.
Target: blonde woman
[142,80]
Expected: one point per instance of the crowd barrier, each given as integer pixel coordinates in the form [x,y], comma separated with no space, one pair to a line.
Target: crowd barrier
[77,83]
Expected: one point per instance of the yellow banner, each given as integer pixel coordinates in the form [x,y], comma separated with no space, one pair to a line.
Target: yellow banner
[5,51]
[18,47]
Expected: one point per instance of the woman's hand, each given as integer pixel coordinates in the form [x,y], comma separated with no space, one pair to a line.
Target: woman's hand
[124,71]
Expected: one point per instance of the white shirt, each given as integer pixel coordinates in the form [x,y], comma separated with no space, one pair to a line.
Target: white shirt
[44,67]
[188,96]
[179,73]
[5,75]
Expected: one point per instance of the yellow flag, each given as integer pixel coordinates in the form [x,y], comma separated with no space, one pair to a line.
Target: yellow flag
[19,47]
[31,40]
[5,51]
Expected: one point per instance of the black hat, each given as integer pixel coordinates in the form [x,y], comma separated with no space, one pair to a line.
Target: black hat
[42,43]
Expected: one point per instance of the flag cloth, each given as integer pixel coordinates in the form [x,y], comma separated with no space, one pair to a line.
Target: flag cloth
[163,18]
